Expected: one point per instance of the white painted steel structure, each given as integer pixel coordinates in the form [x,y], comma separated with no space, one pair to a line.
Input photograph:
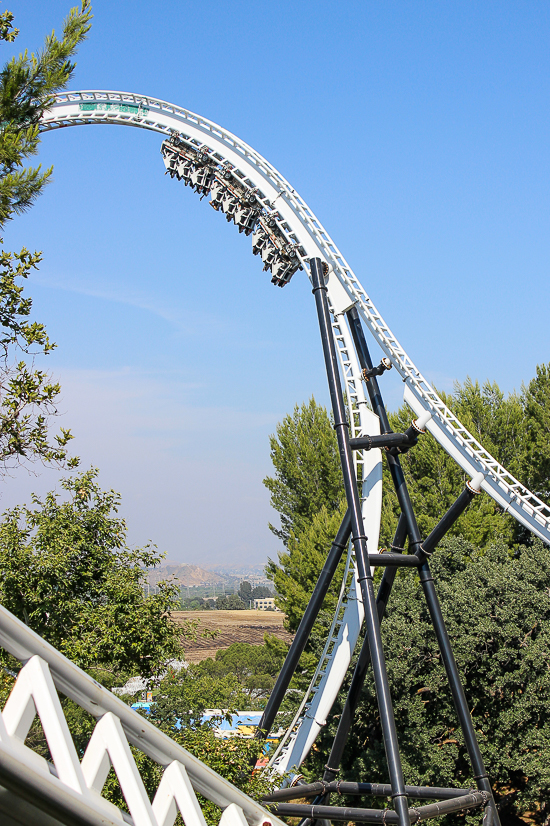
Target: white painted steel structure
[143,112]
[69,788]
[315,707]
[344,291]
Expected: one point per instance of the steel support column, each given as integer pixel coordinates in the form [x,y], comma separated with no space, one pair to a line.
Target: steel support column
[304,629]
[360,546]
[422,551]
[348,712]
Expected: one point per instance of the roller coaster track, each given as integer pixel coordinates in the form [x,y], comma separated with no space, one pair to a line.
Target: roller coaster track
[345,289]
[331,669]
[286,234]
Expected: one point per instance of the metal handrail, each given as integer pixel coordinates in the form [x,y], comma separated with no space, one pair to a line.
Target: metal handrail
[23,643]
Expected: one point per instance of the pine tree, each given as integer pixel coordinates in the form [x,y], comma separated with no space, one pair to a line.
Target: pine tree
[28,84]
[536,458]
[307,477]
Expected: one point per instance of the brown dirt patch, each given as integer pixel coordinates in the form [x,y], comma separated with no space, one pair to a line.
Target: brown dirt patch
[233,626]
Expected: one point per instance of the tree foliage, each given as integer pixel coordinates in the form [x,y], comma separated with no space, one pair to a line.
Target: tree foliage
[233,602]
[511,428]
[434,480]
[536,404]
[497,612]
[492,577]
[8,32]
[254,668]
[68,573]
[28,84]
[299,566]
[307,470]
[230,758]
[240,677]
[514,428]
[197,604]
[247,593]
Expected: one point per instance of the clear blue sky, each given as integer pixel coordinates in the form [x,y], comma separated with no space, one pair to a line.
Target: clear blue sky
[419,134]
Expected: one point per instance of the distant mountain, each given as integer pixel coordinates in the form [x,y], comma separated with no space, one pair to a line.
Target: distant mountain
[182,574]
[255,574]
[238,570]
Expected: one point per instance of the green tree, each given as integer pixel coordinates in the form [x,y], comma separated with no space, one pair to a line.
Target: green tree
[231,603]
[307,469]
[230,758]
[497,612]
[295,574]
[195,604]
[514,428]
[28,84]
[7,30]
[434,479]
[68,573]
[245,592]
[536,454]
[261,592]
[240,677]
[254,667]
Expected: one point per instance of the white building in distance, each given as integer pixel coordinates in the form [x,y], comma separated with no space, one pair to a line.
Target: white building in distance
[265,604]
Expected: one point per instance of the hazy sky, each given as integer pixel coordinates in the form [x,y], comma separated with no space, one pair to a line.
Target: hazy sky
[418,133]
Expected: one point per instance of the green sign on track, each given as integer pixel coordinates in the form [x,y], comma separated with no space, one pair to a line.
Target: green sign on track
[114,107]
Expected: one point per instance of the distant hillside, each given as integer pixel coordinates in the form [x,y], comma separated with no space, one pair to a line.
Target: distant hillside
[235,574]
[182,574]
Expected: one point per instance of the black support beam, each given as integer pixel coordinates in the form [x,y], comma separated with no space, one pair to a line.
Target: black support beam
[304,629]
[359,540]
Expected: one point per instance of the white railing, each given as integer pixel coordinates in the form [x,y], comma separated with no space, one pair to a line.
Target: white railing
[74,786]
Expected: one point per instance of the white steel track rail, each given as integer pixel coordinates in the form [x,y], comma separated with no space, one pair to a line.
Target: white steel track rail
[344,291]
[98,107]
[328,677]
[165,118]
[73,786]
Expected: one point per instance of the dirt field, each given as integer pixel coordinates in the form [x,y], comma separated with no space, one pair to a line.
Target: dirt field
[233,626]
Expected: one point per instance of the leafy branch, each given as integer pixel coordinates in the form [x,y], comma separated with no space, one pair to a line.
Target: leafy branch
[28,397]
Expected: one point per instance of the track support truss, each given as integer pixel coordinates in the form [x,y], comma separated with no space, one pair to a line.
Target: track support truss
[372,654]
[288,237]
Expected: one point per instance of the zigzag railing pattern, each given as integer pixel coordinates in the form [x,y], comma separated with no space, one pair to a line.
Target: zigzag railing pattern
[74,787]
